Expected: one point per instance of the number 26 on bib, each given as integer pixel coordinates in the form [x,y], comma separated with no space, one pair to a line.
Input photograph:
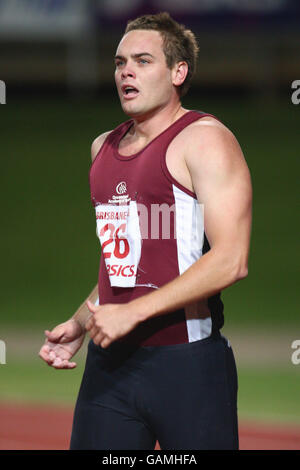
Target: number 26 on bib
[119,233]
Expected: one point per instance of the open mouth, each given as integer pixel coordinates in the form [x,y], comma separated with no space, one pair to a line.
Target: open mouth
[129,91]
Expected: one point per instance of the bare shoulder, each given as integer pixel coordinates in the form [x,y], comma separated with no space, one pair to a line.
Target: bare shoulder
[206,125]
[97,144]
[209,137]
[214,159]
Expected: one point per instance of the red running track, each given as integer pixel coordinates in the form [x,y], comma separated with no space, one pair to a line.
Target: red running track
[49,428]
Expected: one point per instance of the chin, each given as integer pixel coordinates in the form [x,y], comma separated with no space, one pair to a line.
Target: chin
[132,111]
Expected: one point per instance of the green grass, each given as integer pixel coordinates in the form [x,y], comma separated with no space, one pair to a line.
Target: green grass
[35,382]
[50,250]
[269,394]
[266,394]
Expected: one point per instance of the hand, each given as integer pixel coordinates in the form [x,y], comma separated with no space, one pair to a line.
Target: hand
[61,344]
[109,322]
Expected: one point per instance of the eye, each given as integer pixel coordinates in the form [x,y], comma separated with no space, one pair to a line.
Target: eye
[119,63]
[143,61]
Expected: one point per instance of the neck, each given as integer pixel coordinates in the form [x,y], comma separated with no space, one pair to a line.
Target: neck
[148,126]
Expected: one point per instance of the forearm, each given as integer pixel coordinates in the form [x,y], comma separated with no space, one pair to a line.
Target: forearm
[81,315]
[207,276]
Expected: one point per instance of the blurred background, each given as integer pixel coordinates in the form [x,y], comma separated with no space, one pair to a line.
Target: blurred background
[56,60]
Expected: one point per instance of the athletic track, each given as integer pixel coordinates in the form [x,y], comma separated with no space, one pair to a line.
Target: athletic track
[48,427]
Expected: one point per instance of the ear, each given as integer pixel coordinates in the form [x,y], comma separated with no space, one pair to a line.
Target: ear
[179,73]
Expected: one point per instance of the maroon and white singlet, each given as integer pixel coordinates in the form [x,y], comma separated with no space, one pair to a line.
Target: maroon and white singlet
[151,230]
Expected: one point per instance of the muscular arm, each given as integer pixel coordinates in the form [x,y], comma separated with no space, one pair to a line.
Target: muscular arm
[63,342]
[82,313]
[221,181]
[97,144]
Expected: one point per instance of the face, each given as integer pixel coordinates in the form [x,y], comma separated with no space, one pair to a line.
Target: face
[143,80]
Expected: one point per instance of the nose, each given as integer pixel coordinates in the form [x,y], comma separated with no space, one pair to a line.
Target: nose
[127,71]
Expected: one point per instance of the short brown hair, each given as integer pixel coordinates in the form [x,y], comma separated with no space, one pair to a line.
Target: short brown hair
[179,43]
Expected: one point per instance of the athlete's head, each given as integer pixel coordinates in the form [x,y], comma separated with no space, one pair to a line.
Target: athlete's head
[157,57]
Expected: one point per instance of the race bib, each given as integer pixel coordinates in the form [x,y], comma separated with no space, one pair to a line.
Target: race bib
[118,229]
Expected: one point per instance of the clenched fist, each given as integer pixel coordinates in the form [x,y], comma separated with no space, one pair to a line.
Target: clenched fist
[109,322]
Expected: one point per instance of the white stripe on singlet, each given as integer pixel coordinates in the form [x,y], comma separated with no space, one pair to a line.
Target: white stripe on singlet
[190,239]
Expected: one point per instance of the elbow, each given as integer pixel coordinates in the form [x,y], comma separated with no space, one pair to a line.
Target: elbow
[236,270]
[239,270]
[233,267]
[241,273]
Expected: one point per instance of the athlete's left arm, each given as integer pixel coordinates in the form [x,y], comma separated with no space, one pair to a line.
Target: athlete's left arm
[222,183]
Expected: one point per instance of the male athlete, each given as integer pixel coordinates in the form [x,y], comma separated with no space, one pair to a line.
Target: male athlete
[172,197]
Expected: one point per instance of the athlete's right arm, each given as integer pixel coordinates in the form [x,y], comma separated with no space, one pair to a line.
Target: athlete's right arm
[81,315]
[66,339]
[97,144]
